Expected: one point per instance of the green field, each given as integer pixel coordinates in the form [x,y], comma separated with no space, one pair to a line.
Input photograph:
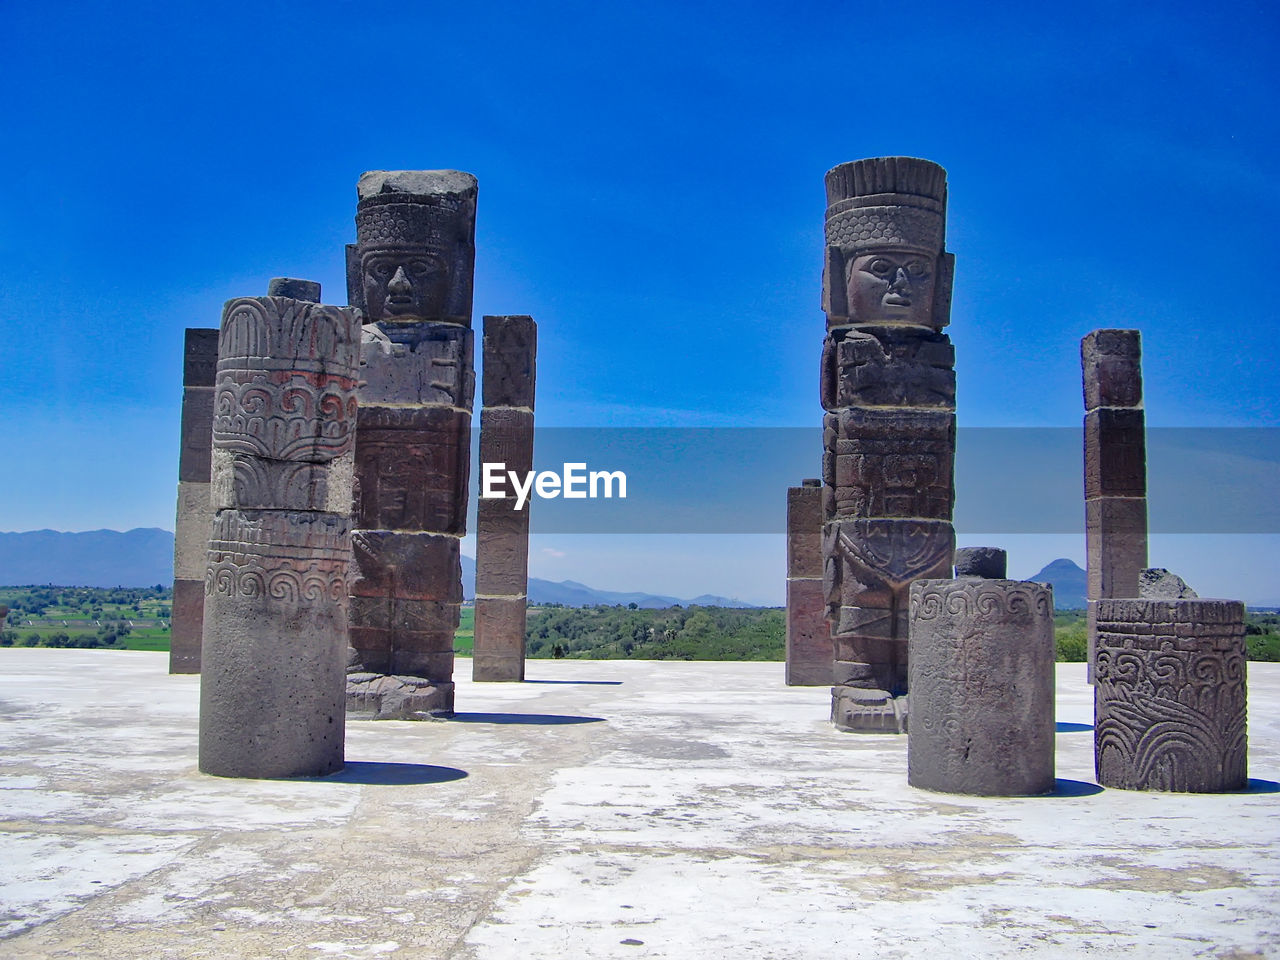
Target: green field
[137,619]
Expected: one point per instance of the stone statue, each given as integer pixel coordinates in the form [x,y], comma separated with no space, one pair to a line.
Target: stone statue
[410,271]
[888,388]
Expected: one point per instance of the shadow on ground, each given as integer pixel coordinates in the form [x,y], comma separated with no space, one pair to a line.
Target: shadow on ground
[379,772]
[1261,786]
[594,683]
[535,719]
[1073,788]
[1072,727]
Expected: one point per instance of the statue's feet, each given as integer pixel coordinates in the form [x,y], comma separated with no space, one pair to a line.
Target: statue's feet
[867,710]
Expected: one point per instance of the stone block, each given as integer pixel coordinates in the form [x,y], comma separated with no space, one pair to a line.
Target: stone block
[186,626]
[894,367]
[306,290]
[1111,363]
[989,563]
[197,434]
[499,639]
[417,364]
[808,639]
[502,564]
[1157,583]
[412,469]
[412,616]
[200,357]
[1170,695]
[892,463]
[191,531]
[246,482]
[411,566]
[981,676]
[1115,458]
[804,531]
[1116,545]
[510,357]
[372,696]
[506,436]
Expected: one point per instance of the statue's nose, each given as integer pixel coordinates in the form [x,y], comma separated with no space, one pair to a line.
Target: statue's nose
[901,282]
[400,282]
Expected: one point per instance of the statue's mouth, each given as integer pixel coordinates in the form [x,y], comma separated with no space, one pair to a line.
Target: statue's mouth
[896,300]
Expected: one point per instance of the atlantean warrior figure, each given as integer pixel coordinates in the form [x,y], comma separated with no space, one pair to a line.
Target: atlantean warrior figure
[410,271]
[888,386]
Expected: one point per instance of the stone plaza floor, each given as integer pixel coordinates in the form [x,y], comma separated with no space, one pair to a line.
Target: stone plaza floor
[605,809]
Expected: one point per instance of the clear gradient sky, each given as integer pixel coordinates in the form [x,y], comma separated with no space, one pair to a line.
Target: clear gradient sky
[651,192]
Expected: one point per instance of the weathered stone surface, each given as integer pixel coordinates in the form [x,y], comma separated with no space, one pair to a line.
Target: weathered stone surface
[506,436]
[194,512]
[889,462]
[990,563]
[499,639]
[417,363]
[1157,583]
[197,433]
[1170,695]
[412,468]
[1111,361]
[1115,545]
[505,567]
[510,361]
[406,566]
[186,624]
[306,290]
[1115,453]
[246,482]
[275,613]
[982,687]
[804,531]
[809,651]
[377,696]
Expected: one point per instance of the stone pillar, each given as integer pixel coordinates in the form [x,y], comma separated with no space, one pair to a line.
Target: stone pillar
[982,687]
[1115,469]
[410,270]
[502,532]
[191,528]
[275,619]
[808,633]
[1170,695]
[888,386]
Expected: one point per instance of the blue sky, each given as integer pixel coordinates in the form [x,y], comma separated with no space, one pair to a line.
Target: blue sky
[651,192]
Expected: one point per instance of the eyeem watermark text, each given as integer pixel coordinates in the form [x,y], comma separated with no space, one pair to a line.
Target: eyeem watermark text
[574,482]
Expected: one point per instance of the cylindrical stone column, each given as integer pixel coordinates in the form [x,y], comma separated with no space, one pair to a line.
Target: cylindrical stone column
[1170,695]
[1115,469]
[410,271]
[809,650]
[889,388]
[191,527]
[510,351]
[275,620]
[982,687]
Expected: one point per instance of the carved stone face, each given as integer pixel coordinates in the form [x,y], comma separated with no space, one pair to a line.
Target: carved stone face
[890,286]
[403,284]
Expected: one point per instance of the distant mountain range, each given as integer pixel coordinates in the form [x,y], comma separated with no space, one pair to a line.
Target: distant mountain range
[144,557]
[1069,583]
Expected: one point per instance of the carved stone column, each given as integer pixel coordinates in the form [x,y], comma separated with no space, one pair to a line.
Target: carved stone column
[191,529]
[982,694]
[808,633]
[275,618]
[1170,695]
[502,532]
[1115,468]
[888,386]
[410,270]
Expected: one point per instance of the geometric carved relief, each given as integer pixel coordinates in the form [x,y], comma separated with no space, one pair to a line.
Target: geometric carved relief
[1170,695]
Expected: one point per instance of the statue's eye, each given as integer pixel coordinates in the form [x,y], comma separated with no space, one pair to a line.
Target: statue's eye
[421,268]
[918,268]
[380,270]
[881,267]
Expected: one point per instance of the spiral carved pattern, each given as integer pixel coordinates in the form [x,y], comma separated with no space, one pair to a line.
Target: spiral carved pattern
[1170,702]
